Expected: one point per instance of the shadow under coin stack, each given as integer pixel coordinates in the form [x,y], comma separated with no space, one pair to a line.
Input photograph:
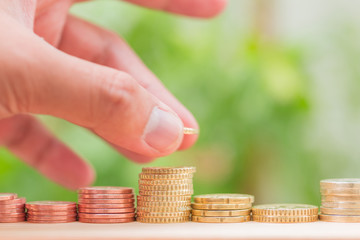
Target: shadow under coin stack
[106,205]
[222,208]
[165,194]
[340,200]
[285,213]
[12,208]
[51,212]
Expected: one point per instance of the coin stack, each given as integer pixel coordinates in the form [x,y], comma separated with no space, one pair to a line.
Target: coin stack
[285,213]
[106,205]
[51,212]
[222,208]
[165,194]
[340,200]
[12,208]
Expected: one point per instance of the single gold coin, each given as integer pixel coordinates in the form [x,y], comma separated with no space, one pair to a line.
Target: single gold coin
[339,218]
[340,191]
[165,181]
[163,204]
[168,199]
[285,219]
[163,214]
[339,198]
[347,205]
[190,131]
[169,170]
[285,210]
[230,206]
[224,198]
[166,176]
[163,220]
[182,187]
[220,213]
[203,219]
[340,183]
[163,209]
[339,211]
[167,193]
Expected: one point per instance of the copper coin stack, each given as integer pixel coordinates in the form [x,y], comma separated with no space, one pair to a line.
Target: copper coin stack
[12,208]
[165,194]
[222,208]
[51,212]
[106,205]
[340,200]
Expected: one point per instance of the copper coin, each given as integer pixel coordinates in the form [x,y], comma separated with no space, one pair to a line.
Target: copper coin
[106,210]
[51,221]
[4,215]
[52,213]
[12,210]
[50,205]
[11,206]
[12,219]
[120,215]
[51,218]
[106,196]
[105,190]
[107,206]
[13,201]
[100,201]
[106,220]
[7,196]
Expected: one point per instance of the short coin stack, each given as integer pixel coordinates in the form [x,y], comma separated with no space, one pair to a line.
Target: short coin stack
[340,201]
[222,208]
[106,205]
[51,212]
[285,213]
[165,194]
[12,208]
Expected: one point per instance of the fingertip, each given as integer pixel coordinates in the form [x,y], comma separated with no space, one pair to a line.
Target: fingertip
[216,8]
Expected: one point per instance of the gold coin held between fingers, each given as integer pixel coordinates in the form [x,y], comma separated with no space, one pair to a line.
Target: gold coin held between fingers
[190,131]
[285,210]
[202,219]
[220,206]
[224,198]
[220,213]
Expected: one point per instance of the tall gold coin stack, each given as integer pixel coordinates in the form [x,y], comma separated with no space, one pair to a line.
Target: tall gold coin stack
[222,208]
[340,200]
[285,213]
[12,208]
[106,205]
[165,194]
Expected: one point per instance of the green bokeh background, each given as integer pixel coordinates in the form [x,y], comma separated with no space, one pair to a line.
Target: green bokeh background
[264,130]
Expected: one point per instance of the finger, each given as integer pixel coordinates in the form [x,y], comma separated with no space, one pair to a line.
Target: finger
[92,43]
[193,8]
[31,142]
[103,99]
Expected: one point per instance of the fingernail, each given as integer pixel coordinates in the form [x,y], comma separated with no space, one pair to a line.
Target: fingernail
[163,130]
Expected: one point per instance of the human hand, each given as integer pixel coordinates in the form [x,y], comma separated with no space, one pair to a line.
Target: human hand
[90,77]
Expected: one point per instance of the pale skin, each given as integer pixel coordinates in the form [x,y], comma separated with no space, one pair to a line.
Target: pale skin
[56,64]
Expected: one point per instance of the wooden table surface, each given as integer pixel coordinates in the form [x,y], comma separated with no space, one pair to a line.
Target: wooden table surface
[191,230]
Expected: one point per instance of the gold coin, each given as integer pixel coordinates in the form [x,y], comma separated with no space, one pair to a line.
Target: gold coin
[339,211]
[285,219]
[340,191]
[285,210]
[166,176]
[190,131]
[163,214]
[339,218]
[167,193]
[169,170]
[220,219]
[340,183]
[338,198]
[346,205]
[230,206]
[164,204]
[224,198]
[165,182]
[163,209]
[219,213]
[166,187]
[168,199]
[162,220]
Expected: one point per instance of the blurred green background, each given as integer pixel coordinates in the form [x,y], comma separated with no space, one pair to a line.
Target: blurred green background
[274,85]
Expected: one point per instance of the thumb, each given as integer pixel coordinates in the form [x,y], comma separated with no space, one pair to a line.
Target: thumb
[107,101]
